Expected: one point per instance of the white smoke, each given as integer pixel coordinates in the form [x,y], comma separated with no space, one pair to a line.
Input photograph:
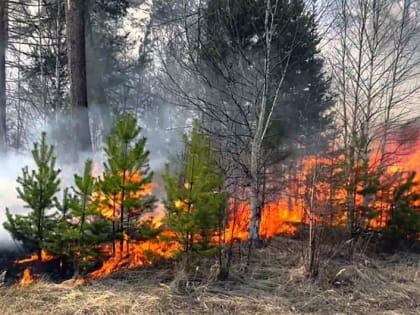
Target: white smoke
[12,165]
[11,168]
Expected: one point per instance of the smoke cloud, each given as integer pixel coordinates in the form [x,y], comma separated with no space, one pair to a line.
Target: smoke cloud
[11,168]
[164,143]
[162,124]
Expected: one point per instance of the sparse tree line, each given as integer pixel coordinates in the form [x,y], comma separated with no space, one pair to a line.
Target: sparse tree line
[273,84]
[106,208]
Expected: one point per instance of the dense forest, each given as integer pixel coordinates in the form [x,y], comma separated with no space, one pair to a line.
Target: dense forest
[203,140]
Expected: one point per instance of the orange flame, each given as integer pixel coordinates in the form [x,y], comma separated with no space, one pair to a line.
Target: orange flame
[26,280]
[44,258]
[307,192]
[155,219]
[276,219]
[136,255]
[110,206]
[303,195]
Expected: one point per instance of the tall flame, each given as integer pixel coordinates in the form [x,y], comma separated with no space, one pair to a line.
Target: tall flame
[26,280]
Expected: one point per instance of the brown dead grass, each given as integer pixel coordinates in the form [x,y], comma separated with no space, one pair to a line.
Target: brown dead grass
[274,284]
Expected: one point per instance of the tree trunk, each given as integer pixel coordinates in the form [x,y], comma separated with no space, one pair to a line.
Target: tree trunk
[3,45]
[255,192]
[40,233]
[313,266]
[76,50]
[262,122]
[102,121]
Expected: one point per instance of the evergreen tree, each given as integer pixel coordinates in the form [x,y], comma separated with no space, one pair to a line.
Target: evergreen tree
[127,177]
[79,224]
[109,197]
[404,219]
[89,227]
[195,201]
[38,190]
[237,27]
[59,243]
[276,44]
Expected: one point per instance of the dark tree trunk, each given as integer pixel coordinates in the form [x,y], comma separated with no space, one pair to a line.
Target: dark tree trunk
[3,45]
[76,50]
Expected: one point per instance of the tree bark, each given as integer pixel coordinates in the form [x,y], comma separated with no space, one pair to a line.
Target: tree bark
[255,192]
[3,45]
[76,50]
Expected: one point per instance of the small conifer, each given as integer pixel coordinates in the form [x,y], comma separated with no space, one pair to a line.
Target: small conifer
[126,184]
[37,190]
[194,198]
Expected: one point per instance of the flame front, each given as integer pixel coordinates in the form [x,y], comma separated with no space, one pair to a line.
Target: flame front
[308,192]
[306,196]
[44,258]
[138,254]
[282,215]
[154,219]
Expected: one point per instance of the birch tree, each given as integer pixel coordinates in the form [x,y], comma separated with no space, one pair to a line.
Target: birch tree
[245,81]
[375,64]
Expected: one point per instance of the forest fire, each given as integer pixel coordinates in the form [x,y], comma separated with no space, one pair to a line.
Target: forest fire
[311,192]
[155,219]
[27,279]
[280,217]
[276,219]
[110,205]
[44,258]
[134,255]
[313,188]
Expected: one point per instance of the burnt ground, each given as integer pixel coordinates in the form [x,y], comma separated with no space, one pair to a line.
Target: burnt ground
[8,256]
[274,283]
[52,269]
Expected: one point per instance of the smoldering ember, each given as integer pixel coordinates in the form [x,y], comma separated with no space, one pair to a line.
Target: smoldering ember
[209,157]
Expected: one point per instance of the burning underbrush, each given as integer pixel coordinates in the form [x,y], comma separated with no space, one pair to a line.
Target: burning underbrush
[113,222]
[134,255]
[147,252]
[286,216]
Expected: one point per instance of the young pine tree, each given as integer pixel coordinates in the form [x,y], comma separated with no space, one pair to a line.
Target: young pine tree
[58,243]
[88,228]
[108,200]
[194,198]
[37,189]
[127,176]
[80,226]
[404,219]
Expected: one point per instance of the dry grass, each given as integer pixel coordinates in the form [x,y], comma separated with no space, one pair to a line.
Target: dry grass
[273,284]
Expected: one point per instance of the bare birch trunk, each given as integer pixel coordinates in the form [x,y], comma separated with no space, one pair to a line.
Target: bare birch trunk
[255,192]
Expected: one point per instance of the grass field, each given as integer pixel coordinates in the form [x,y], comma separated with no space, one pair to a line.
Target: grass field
[273,284]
